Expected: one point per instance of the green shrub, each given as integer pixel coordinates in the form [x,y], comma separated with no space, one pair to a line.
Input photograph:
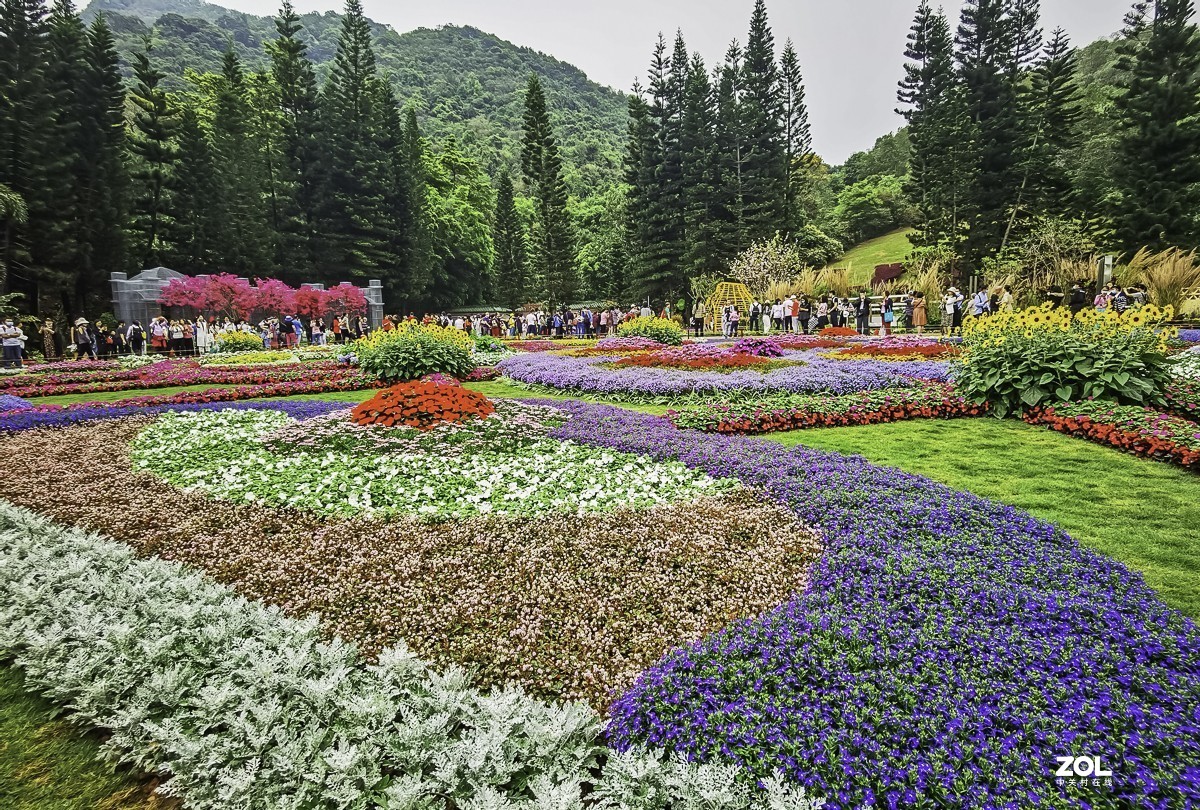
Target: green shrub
[1019,360]
[411,352]
[660,329]
[238,342]
[487,343]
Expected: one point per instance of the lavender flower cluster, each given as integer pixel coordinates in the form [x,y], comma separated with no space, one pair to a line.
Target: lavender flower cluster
[1189,335]
[947,650]
[29,419]
[10,403]
[818,374]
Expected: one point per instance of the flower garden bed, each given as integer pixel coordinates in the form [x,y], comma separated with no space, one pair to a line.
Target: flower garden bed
[1141,431]
[176,374]
[798,411]
[946,652]
[590,376]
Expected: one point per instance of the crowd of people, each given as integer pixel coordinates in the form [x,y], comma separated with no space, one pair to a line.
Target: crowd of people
[584,322]
[177,337]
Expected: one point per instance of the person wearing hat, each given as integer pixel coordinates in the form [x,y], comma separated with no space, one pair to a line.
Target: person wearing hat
[82,338]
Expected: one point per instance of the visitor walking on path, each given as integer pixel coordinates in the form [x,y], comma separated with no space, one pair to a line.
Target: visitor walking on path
[14,341]
[920,313]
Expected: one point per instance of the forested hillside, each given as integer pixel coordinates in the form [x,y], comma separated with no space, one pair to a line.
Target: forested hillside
[464,82]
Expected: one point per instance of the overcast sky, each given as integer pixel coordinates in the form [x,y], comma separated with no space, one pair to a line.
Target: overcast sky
[851,51]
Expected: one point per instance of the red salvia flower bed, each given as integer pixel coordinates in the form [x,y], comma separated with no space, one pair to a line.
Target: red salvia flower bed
[422,405]
[1141,431]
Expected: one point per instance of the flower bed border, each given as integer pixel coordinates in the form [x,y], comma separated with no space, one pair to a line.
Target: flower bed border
[1143,443]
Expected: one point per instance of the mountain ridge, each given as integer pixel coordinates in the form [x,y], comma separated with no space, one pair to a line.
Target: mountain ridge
[465,83]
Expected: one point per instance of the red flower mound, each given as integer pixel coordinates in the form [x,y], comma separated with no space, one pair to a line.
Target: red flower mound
[422,405]
[1158,436]
[837,331]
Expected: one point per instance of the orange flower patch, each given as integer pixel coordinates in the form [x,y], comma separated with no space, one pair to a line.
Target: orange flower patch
[422,405]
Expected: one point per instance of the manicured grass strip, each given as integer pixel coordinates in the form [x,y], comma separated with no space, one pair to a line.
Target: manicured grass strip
[117,396]
[47,764]
[1143,513]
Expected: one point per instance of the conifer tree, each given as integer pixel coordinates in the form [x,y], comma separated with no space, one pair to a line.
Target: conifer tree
[1157,165]
[553,240]
[416,249]
[508,235]
[1052,107]
[797,135]
[196,226]
[641,164]
[355,222]
[299,178]
[729,235]
[939,130]
[105,179]
[702,254]
[243,246]
[764,169]
[152,144]
[995,41]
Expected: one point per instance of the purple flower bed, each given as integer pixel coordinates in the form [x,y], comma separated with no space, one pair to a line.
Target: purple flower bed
[629,344]
[11,403]
[16,421]
[947,649]
[818,374]
[1189,335]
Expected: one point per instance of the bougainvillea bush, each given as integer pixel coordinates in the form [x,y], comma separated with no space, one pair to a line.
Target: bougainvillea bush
[660,330]
[797,411]
[1141,431]
[1018,360]
[422,405]
[511,469]
[946,652]
[412,350]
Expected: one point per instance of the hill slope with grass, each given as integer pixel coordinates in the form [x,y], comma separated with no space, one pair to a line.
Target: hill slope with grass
[862,259]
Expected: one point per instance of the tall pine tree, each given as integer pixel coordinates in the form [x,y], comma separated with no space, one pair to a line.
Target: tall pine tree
[152,143]
[729,144]
[196,226]
[508,235]
[553,240]
[355,222]
[764,164]
[244,244]
[299,174]
[1157,166]
[797,136]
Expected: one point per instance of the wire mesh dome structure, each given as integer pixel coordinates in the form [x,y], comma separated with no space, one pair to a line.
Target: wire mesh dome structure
[727,294]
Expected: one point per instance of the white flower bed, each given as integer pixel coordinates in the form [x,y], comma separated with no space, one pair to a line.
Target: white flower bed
[245,708]
[221,453]
[1187,365]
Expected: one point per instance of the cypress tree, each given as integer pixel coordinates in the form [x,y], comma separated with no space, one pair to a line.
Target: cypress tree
[797,135]
[764,168]
[1157,163]
[299,177]
[554,250]
[196,226]
[152,144]
[355,222]
[508,235]
[641,165]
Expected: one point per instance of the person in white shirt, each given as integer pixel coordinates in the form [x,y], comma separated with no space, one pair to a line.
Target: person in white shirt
[14,341]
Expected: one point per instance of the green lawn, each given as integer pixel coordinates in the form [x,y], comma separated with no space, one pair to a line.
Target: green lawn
[116,396]
[49,764]
[1143,513]
[891,248]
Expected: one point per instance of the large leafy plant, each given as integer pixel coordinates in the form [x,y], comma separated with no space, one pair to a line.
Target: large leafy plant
[659,329]
[1040,356]
[414,350]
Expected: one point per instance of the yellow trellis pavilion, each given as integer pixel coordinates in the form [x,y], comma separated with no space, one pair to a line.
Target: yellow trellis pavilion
[728,293]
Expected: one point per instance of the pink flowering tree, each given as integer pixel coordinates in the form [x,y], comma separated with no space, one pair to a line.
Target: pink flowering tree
[346,298]
[273,297]
[311,303]
[223,294]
